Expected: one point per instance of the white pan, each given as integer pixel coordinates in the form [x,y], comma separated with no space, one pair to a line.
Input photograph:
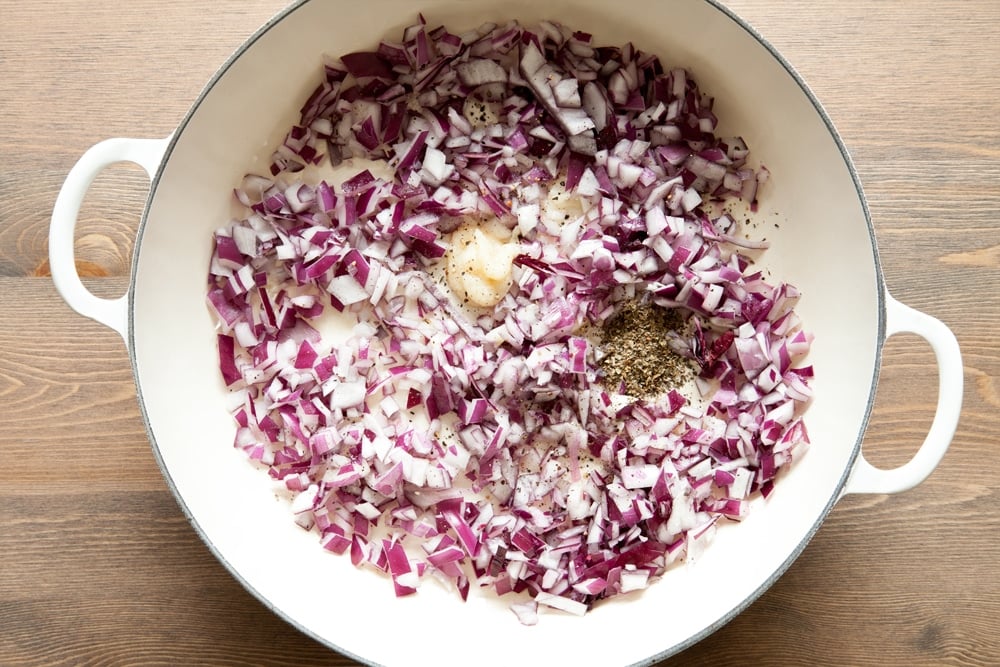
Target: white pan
[825,246]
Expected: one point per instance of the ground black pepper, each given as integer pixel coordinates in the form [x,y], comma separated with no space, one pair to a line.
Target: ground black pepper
[638,353]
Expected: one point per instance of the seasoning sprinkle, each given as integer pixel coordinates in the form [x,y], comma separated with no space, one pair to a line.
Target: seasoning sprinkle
[636,343]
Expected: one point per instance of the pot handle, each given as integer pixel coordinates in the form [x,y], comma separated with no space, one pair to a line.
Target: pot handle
[147,153]
[866,478]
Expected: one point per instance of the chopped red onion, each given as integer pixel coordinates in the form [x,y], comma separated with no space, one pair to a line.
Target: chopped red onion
[433,439]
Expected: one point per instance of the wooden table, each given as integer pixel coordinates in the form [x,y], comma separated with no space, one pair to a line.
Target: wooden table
[97,563]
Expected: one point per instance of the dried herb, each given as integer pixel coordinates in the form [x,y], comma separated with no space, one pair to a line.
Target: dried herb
[636,343]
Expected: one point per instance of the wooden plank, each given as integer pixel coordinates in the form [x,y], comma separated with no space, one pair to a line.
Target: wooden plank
[100,565]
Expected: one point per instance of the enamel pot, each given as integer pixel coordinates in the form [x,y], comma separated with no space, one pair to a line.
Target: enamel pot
[825,246]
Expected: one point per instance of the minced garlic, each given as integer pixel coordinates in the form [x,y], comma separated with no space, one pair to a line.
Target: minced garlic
[479,262]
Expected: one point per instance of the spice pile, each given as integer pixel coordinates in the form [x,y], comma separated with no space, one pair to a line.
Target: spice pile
[640,355]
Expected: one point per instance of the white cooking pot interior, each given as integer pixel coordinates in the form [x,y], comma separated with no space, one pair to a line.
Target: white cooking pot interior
[824,246]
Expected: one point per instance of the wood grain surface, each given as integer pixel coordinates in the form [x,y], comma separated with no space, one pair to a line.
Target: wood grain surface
[98,566]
